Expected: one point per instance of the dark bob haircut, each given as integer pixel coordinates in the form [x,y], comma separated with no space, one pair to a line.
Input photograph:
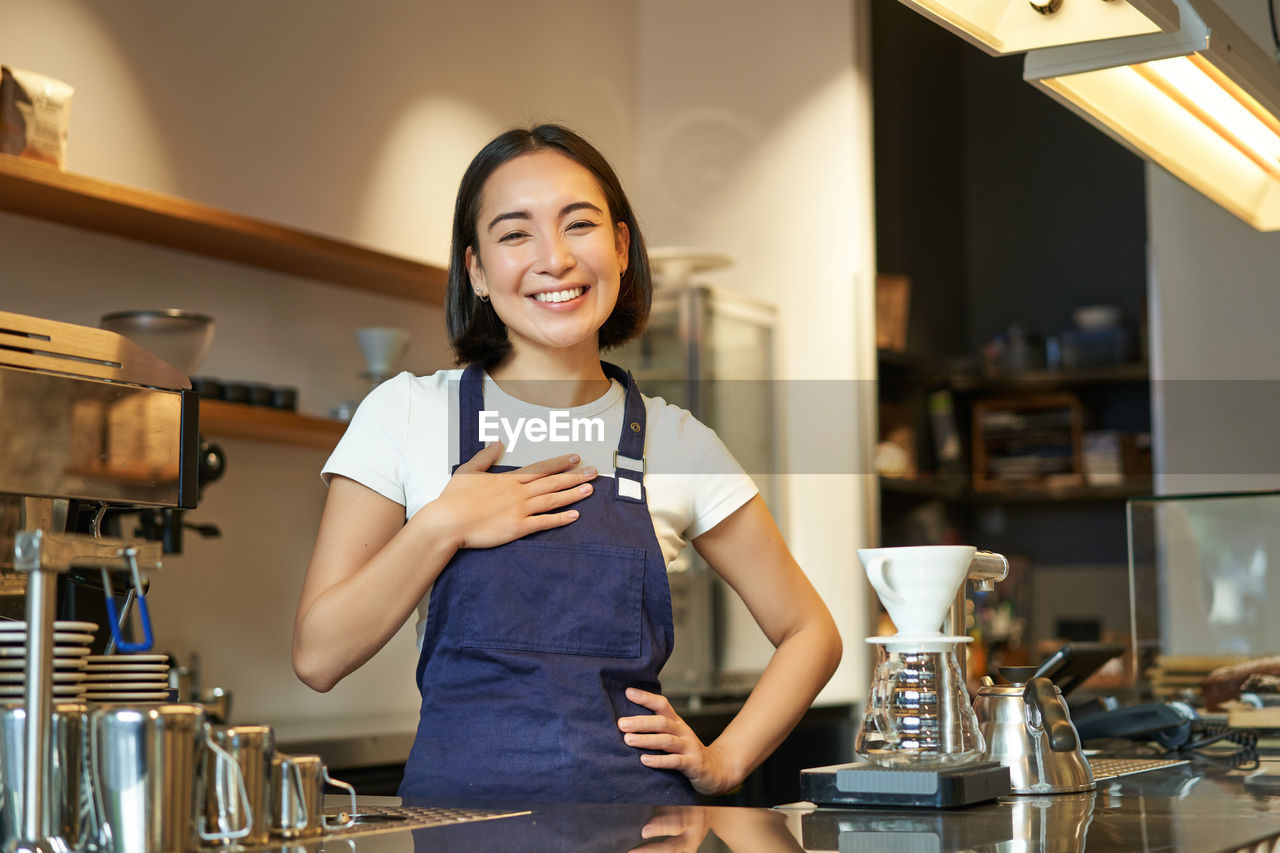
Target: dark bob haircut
[475,331]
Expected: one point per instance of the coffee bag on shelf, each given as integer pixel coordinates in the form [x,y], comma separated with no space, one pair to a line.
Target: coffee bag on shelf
[34,110]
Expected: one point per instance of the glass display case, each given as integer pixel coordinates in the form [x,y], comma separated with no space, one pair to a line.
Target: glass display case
[1203,592]
[710,351]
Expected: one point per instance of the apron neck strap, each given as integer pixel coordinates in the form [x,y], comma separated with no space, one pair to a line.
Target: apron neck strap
[631,441]
[470,402]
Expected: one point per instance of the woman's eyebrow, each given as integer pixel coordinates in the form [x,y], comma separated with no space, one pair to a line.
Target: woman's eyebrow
[579,205]
[513,214]
[524,214]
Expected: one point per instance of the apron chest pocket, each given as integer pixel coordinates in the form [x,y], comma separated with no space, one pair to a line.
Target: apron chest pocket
[549,597]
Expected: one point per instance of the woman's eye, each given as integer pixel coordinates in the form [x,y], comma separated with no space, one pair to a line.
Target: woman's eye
[512,236]
[582,225]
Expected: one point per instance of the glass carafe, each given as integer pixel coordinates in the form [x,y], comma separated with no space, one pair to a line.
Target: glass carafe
[918,712]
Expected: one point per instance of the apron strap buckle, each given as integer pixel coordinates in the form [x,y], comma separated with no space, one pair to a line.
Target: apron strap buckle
[628,478]
[640,465]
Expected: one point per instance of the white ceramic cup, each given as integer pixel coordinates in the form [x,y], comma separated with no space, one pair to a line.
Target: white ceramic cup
[917,584]
[383,347]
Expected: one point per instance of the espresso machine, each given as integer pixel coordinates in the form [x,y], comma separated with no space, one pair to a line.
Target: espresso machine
[90,422]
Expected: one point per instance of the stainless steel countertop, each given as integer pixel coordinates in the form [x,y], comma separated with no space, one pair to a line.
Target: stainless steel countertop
[1201,807]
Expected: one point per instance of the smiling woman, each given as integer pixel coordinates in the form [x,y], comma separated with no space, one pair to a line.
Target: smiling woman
[593,192]
[539,570]
[548,259]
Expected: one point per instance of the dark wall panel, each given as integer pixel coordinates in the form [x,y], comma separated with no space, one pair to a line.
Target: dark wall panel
[1003,206]
[1056,210]
[917,97]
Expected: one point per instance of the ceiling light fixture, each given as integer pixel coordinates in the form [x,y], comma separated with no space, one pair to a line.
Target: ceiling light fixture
[1202,102]
[1013,26]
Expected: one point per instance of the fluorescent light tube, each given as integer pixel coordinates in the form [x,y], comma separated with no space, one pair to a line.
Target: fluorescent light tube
[1203,103]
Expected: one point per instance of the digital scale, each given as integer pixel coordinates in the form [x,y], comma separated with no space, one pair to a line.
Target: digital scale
[862,783]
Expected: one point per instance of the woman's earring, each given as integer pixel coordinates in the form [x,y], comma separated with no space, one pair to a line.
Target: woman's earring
[484,297]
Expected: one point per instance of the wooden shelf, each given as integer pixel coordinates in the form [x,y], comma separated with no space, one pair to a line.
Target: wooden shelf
[39,190]
[1062,494]
[952,490]
[925,486]
[238,420]
[1044,380]
[905,364]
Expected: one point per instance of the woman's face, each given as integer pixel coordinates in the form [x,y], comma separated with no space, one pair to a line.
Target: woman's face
[546,253]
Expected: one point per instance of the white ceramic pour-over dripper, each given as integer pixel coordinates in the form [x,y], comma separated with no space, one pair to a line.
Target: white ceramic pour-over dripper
[917,584]
[383,347]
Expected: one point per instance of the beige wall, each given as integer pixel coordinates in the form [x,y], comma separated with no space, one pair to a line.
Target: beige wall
[755,139]
[329,117]
[1215,300]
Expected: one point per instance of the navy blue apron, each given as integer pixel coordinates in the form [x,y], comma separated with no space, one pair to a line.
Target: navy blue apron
[530,646]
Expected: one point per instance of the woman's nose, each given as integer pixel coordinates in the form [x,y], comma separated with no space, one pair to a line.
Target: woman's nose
[557,257]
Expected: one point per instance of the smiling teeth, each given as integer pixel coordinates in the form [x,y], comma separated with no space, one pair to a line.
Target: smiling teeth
[559,295]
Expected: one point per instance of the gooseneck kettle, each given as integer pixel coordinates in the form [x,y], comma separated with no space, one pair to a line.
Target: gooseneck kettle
[1027,728]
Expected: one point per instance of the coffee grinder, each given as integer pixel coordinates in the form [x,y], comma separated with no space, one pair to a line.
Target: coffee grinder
[89,419]
[919,739]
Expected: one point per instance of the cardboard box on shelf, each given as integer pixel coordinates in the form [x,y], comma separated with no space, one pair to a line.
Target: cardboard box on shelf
[1112,457]
[893,302]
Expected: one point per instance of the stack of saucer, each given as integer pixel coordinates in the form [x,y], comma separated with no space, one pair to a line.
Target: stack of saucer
[126,678]
[71,642]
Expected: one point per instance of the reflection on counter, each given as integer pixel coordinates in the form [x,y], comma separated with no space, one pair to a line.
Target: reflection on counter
[592,827]
[965,829]
[370,752]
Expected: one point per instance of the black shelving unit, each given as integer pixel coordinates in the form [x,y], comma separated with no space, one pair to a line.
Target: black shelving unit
[1042,528]
[1002,208]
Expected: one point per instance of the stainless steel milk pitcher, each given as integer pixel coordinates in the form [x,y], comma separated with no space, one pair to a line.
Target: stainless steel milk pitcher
[64,787]
[297,797]
[252,747]
[144,764]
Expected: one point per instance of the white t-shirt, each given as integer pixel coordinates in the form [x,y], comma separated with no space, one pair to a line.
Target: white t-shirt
[403,443]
